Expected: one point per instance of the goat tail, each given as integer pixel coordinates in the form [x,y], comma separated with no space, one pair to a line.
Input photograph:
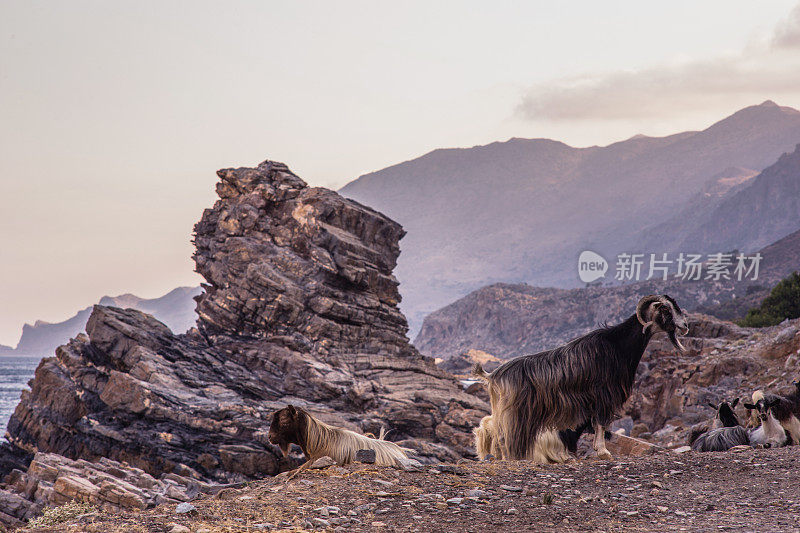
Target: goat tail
[479,373]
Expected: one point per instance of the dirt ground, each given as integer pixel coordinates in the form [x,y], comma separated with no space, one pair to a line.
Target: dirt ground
[750,490]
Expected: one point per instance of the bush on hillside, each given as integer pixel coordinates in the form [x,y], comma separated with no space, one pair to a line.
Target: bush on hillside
[783,302]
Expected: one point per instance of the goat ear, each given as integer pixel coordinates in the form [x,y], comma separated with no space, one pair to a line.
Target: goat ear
[734,402]
[749,406]
[711,405]
[291,409]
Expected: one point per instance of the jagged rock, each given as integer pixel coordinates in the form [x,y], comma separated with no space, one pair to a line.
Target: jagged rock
[300,306]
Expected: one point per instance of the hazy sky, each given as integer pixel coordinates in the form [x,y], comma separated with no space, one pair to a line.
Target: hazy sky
[116,115]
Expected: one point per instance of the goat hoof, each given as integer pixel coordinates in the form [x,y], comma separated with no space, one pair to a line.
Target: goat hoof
[605,455]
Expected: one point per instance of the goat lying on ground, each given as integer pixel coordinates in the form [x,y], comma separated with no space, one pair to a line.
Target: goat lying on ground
[292,425]
[725,417]
[770,434]
[725,431]
[785,408]
[583,382]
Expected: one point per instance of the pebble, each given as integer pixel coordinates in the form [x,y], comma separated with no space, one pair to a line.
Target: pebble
[682,449]
[451,469]
[184,508]
[365,456]
[409,465]
[383,482]
[322,511]
[511,488]
[332,509]
[662,509]
[178,528]
[378,524]
[320,522]
[323,462]
[455,501]
[365,507]
[477,493]
[511,510]
[352,513]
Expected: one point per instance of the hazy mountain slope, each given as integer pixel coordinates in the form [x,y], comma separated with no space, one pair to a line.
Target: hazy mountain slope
[506,320]
[175,309]
[524,209]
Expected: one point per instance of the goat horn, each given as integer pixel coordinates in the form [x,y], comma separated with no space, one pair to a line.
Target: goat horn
[642,305]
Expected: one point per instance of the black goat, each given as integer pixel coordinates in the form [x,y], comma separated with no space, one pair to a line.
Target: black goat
[724,417]
[583,382]
[724,433]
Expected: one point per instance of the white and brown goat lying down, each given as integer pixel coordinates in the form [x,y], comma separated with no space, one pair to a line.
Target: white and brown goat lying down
[538,400]
[785,408]
[292,425]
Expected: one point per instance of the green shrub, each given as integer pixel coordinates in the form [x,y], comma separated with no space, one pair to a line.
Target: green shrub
[783,302]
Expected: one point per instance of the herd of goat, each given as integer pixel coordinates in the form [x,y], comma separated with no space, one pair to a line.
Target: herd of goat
[772,421]
[542,403]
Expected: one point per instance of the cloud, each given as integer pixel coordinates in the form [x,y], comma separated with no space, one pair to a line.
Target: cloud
[787,34]
[769,70]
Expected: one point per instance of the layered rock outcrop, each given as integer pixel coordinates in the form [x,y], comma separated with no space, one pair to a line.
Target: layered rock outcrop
[300,306]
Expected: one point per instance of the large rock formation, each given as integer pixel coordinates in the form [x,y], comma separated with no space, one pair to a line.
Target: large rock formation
[300,306]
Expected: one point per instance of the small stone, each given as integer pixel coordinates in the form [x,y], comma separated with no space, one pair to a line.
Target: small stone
[178,528]
[511,510]
[680,513]
[682,449]
[511,488]
[477,493]
[320,522]
[365,507]
[455,501]
[409,465]
[451,469]
[658,484]
[383,482]
[662,509]
[323,462]
[322,511]
[378,524]
[352,513]
[185,508]
[631,513]
[365,456]
[332,509]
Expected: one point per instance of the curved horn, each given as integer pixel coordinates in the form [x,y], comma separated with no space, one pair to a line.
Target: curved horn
[642,305]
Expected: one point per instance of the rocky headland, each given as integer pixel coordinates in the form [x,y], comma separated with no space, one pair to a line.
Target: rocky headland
[300,306]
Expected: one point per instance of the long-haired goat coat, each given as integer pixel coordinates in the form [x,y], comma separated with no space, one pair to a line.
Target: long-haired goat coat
[585,381]
[292,425]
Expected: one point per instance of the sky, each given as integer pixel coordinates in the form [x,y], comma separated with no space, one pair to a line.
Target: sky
[116,115]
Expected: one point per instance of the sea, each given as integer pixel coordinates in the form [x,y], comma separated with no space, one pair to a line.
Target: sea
[15,372]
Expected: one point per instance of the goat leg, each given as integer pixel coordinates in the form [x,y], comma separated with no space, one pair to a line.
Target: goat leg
[600,442]
[299,469]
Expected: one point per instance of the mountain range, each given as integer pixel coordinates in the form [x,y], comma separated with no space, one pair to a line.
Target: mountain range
[506,320]
[524,209]
[175,309]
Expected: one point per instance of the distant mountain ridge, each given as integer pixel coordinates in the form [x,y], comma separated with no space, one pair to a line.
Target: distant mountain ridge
[522,210]
[507,320]
[175,309]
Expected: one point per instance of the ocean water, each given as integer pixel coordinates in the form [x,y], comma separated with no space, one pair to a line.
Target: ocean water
[15,372]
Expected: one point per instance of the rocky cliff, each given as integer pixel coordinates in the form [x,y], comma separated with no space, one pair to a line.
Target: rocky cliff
[300,306]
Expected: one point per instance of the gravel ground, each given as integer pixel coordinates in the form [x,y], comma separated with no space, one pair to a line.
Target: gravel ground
[750,490]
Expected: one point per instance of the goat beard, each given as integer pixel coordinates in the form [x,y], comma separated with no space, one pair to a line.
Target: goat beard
[673,338]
